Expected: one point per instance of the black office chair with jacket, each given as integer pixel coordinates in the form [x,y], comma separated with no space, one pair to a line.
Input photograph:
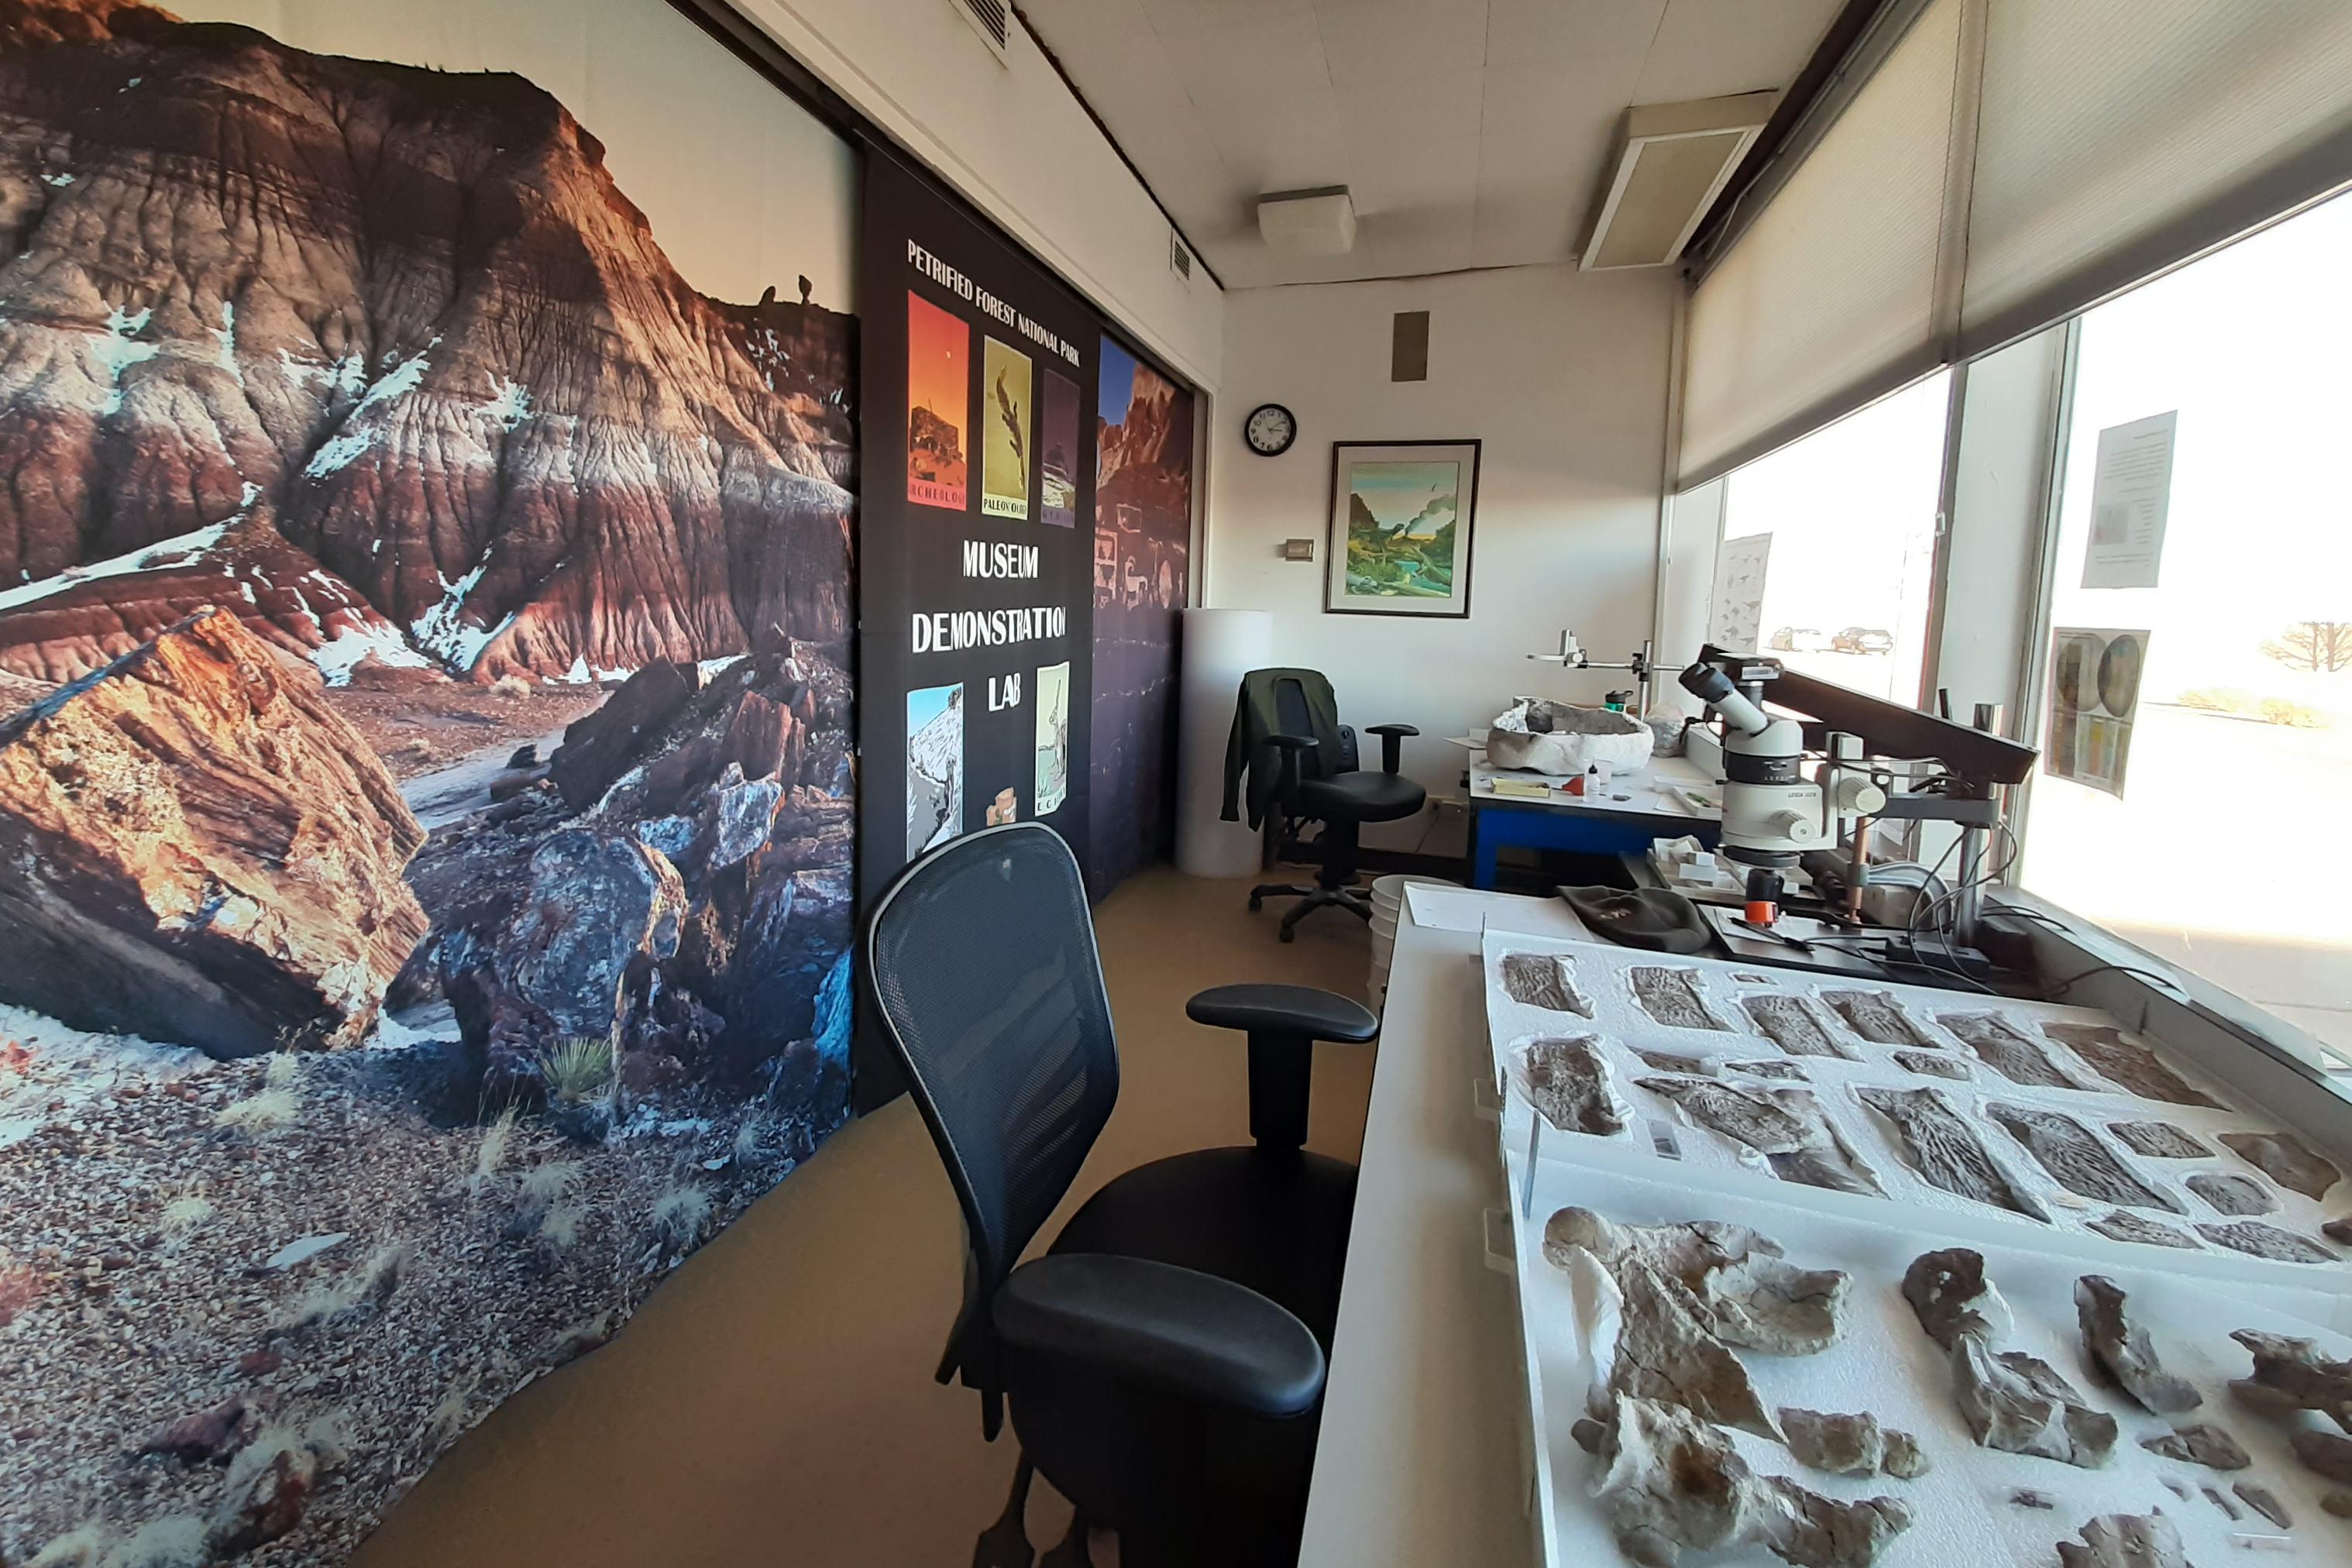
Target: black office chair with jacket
[1164,1359]
[1301,762]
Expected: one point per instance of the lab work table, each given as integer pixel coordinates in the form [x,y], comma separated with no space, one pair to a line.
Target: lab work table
[1665,798]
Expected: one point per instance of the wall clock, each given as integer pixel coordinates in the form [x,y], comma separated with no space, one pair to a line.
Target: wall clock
[1270,429]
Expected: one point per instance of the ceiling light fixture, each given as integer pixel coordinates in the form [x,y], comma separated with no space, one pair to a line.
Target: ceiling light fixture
[1308,223]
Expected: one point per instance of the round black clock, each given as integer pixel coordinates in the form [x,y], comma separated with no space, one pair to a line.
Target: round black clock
[1270,429]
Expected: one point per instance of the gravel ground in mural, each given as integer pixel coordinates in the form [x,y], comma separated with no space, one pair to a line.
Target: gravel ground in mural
[300,1255]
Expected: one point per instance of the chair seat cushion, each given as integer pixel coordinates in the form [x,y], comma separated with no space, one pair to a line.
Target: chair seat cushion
[1360,797]
[1276,1224]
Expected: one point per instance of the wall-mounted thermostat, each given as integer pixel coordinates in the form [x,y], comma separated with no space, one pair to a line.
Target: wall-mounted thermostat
[1298,550]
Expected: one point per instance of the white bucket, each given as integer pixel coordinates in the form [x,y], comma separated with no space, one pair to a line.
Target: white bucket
[1387,892]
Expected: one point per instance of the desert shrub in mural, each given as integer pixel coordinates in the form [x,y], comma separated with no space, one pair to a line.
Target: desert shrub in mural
[425,802]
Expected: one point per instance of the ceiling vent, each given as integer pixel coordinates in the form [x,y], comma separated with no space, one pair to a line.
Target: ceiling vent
[1179,259]
[1673,161]
[993,20]
[1308,223]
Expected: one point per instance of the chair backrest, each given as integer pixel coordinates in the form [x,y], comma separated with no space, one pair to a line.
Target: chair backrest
[982,961]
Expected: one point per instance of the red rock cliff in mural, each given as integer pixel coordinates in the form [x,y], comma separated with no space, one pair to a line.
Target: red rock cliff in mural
[382,357]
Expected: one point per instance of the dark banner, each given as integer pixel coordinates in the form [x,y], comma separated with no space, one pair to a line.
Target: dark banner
[975,606]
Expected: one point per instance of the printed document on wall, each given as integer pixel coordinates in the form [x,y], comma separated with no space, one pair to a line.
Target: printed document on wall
[2130,494]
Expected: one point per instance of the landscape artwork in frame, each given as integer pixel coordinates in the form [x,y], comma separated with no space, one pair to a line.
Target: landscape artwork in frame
[1401,518]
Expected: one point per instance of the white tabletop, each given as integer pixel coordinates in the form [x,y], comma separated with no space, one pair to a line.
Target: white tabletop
[1421,1459]
[1647,789]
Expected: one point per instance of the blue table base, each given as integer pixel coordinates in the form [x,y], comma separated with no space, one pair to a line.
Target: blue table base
[1496,824]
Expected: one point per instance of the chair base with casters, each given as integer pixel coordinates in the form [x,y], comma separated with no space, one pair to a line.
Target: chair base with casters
[1344,802]
[1163,1362]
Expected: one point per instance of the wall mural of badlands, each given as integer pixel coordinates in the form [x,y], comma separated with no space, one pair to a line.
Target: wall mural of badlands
[425,803]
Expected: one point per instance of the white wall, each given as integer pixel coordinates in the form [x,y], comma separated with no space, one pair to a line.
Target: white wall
[1017,145]
[1563,375]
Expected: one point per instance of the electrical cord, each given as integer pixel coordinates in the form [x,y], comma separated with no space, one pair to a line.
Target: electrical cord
[2072,980]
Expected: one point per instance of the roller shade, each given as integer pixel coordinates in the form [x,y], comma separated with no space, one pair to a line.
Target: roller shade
[1828,298]
[2006,165]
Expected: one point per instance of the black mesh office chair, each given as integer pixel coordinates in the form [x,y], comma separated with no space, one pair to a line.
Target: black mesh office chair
[1164,1361]
[1315,786]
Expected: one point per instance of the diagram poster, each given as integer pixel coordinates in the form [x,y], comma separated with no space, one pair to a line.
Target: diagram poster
[2131,497]
[939,355]
[1005,415]
[976,621]
[2094,679]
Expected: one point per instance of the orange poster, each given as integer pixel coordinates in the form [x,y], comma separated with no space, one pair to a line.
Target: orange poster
[939,351]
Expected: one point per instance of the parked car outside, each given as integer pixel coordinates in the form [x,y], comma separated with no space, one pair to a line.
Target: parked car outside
[1863,639]
[1799,640]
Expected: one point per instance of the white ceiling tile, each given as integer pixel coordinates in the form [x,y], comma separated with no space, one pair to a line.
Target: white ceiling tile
[1708,48]
[1536,32]
[1256,66]
[1442,107]
[1399,40]
[1179,15]
[1415,178]
[1065,23]
[1148,92]
[1282,146]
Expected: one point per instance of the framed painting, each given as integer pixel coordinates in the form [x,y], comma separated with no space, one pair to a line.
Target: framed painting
[1402,515]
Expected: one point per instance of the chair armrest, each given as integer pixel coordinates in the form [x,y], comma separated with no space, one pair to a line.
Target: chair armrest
[1392,743]
[1299,1011]
[1174,1331]
[1285,789]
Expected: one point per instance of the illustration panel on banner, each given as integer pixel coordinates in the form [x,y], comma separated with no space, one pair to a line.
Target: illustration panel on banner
[939,361]
[1008,419]
[2094,682]
[934,766]
[1058,433]
[314,546]
[1401,515]
[1053,738]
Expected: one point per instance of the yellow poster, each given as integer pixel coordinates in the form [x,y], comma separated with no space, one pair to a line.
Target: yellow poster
[1006,420]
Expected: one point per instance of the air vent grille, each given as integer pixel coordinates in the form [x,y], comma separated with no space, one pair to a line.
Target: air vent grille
[993,20]
[1179,261]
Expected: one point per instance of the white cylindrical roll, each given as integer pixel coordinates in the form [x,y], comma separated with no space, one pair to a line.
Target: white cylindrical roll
[1219,647]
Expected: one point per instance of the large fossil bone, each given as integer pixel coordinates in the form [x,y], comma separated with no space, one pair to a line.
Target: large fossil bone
[1546,980]
[2252,1236]
[2126,1540]
[2158,1140]
[1748,1293]
[1946,1152]
[1786,1126]
[2012,1401]
[2231,1193]
[1671,995]
[2000,1047]
[2121,1348]
[2075,1158]
[2136,1068]
[2124,1226]
[1789,1023]
[1569,1081]
[2200,1443]
[1877,1018]
[1671,1483]
[2283,1159]
[2301,1377]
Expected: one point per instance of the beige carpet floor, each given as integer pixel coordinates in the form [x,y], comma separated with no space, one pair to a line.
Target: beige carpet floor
[774,1402]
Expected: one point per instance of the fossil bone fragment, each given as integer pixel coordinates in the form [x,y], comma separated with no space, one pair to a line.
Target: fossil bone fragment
[1569,1081]
[2122,1350]
[2265,1502]
[1672,1483]
[2026,1497]
[2019,1404]
[1927,1064]
[1998,1044]
[1843,1445]
[1904,1458]
[2158,1140]
[1953,1300]
[2324,1454]
[2126,1540]
[1876,1017]
[2231,1193]
[2200,1443]
[1772,1069]
[2122,1227]
[1666,1350]
[1945,1151]
[1784,1125]
[2303,1379]
[2339,1503]
[2075,1158]
[1666,1061]
[2224,1504]
[1545,980]
[2338,1229]
[2282,1158]
[1789,1023]
[2135,1068]
[1671,996]
[1746,1292]
[2261,1240]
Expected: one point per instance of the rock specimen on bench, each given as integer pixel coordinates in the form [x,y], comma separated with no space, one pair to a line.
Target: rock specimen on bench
[2252,1236]
[2122,1227]
[1790,1023]
[1568,1082]
[2265,1502]
[2338,1229]
[2158,1140]
[2282,1158]
[2126,1540]
[2298,1374]
[195,848]
[2121,1348]
[1780,1069]
[2075,1158]
[1946,1152]
[1667,1351]
[2324,1454]
[2200,1443]
[1953,1300]
[1671,995]
[1999,1047]
[1927,1064]
[1877,1018]
[1545,980]
[1748,1293]
[2230,1193]
[1671,1483]
[1852,1445]
[2010,1401]
[1786,1126]
[2135,1068]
